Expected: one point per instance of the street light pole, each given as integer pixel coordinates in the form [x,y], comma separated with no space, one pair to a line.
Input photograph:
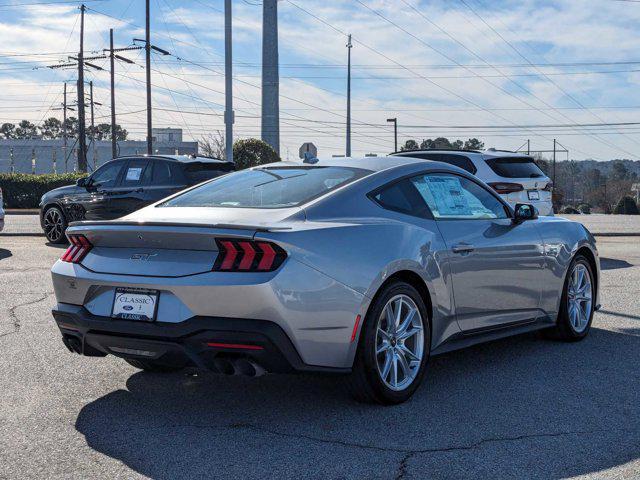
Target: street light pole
[395,132]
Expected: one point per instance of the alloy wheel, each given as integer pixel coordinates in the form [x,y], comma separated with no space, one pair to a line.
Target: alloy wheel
[53,224]
[399,342]
[579,297]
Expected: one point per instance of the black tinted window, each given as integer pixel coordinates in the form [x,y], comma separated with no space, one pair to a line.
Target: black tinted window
[517,167]
[274,187]
[402,197]
[107,175]
[200,172]
[461,161]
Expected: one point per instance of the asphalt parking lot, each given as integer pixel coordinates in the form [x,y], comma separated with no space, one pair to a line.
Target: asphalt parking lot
[522,407]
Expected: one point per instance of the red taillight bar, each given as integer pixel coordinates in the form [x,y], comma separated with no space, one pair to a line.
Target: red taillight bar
[78,249]
[505,187]
[248,256]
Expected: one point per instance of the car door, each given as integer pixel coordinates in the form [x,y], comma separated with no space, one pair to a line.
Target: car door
[496,265]
[165,178]
[129,195]
[92,203]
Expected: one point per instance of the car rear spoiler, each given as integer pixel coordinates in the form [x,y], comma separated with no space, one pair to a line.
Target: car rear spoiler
[225,226]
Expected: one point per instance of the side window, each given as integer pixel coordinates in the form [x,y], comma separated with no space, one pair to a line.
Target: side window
[107,175]
[402,197]
[452,197]
[134,173]
[161,173]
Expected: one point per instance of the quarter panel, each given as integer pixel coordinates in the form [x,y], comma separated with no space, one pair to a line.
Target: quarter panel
[562,239]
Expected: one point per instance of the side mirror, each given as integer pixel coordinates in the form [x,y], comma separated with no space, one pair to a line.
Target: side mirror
[82,182]
[524,211]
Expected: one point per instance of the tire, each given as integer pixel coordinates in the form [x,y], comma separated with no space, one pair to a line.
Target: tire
[574,325]
[55,224]
[366,382]
[151,366]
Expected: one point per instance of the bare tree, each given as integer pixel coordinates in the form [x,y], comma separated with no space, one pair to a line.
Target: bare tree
[212,145]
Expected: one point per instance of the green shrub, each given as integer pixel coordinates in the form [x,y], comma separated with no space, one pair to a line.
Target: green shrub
[626,206]
[23,190]
[252,152]
[584,208]
[569,210]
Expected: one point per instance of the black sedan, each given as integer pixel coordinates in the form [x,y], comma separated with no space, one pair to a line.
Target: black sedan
[122,186]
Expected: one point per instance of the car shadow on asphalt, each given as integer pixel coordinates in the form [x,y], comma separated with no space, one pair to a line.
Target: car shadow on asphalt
[613,264]
[4,253]
[519,407]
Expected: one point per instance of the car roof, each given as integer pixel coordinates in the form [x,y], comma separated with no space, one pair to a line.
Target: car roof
[373,164]
[178,158]
[490,153]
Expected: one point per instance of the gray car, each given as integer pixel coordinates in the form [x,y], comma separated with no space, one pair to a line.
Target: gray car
[361,267]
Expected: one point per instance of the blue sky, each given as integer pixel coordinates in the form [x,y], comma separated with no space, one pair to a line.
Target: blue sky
[431,64]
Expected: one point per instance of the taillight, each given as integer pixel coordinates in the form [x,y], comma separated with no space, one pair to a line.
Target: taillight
[78,249]
[236,255]
[548,187]
[504,187]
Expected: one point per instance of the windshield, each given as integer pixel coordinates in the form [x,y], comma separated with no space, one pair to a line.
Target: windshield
[274,187]
[518,167]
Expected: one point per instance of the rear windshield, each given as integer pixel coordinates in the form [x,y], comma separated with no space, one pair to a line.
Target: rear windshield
[200,172]
[274,187]
[517,167]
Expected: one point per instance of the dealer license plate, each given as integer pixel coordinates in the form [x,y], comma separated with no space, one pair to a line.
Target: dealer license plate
[135,304]
[534,195]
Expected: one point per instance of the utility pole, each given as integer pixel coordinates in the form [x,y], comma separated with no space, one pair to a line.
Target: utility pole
[64,126]
[82,141]
[147,51]
[349,47]
[528,147]
[93,127]
[270,75]
[228,82]
[114,145]
[554,162]
[395,132]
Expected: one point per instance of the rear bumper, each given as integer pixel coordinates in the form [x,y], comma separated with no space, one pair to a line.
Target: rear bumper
[181,344]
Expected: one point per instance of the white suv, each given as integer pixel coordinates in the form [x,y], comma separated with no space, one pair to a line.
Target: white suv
[515,176]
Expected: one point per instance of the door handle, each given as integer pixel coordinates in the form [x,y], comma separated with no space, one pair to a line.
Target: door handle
[462,248]
[140,190]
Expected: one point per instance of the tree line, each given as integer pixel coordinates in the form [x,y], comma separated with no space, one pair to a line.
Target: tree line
[52,128]
[442,143]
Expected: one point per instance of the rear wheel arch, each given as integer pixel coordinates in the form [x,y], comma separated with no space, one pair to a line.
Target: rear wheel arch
[412,278]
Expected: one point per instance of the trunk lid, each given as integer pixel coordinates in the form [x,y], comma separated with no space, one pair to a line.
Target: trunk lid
[174,243]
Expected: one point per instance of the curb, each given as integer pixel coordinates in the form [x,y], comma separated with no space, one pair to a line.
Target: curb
[21,234]
[11,211]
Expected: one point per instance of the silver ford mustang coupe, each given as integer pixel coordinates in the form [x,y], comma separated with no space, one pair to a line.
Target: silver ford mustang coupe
[359,266]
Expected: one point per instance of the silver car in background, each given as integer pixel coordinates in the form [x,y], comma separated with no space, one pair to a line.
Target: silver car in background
[364,267]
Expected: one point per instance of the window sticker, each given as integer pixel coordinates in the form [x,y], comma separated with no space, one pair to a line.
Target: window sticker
[449,197]
[133,174]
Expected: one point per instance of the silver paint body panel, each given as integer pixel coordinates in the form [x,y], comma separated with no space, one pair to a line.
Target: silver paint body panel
[341,249]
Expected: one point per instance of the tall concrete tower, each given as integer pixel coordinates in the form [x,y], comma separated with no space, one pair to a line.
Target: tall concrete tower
[270,77]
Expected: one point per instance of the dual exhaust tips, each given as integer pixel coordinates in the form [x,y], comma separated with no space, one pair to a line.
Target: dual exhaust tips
[238,366]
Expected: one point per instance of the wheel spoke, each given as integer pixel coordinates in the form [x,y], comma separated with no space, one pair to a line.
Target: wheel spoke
[382,348]
[408,353]
[406,371]
[387,366]
[407,321]
[395,369]
[410,333]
